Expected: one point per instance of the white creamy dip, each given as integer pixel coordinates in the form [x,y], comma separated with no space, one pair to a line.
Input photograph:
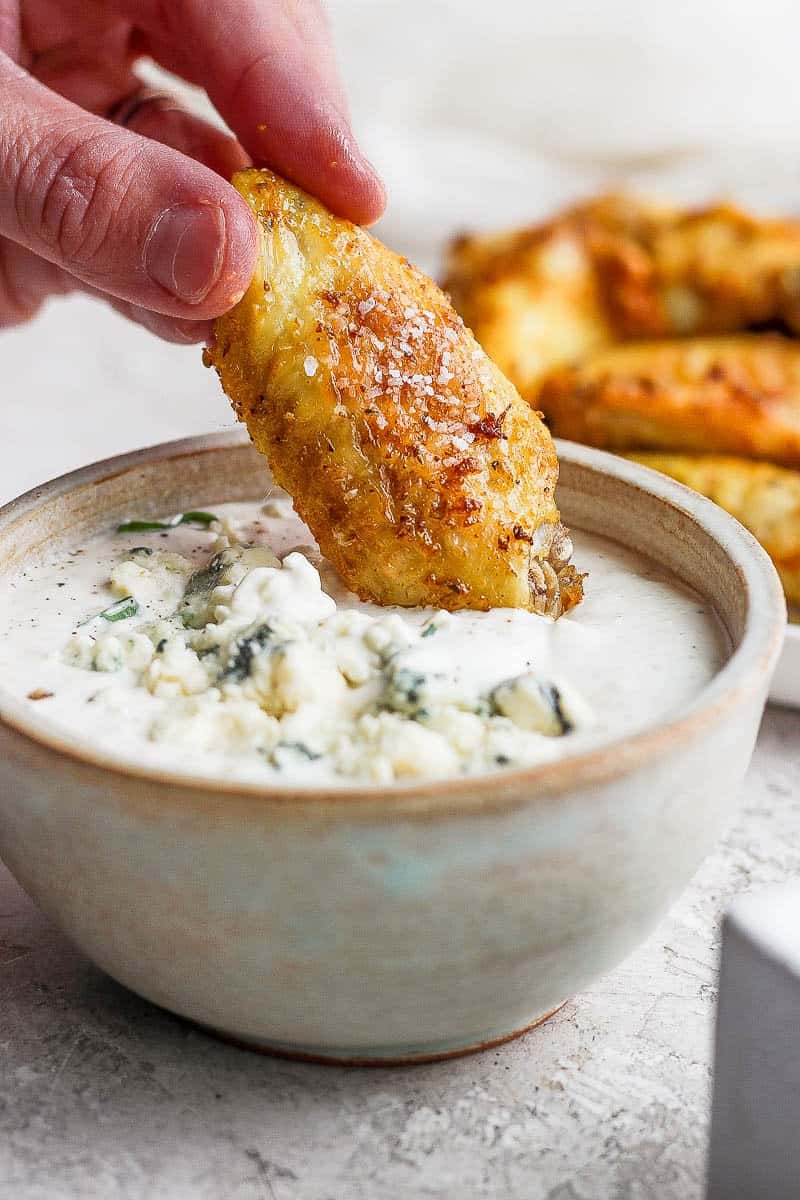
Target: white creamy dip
[231,649]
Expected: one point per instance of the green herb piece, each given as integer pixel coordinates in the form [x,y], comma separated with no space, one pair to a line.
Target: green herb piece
[429,630]
[299,748]
[195,517]
[127,607]
[145,526]
[198,518]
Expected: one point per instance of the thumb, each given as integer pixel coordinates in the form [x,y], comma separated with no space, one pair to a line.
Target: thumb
[119,212]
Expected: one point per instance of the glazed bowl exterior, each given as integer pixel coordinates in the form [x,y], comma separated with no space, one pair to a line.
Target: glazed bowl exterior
[786,680]
[369,924]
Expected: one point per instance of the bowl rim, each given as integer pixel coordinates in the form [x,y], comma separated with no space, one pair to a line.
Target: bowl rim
[746,671]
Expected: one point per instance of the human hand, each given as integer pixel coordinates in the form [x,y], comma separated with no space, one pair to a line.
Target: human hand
[109,189]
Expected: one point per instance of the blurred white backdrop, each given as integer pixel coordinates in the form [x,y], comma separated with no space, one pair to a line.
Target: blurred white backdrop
[481,114]
[478,115]
[611,79]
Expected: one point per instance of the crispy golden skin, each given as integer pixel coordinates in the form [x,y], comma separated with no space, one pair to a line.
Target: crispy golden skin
[617,268]
[727,395]
[532,299]
[763,497]
[743,271]
[423,475]
[676,272]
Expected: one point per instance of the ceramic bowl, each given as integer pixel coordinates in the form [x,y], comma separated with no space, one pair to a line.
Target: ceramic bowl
[384,925]
[786,680]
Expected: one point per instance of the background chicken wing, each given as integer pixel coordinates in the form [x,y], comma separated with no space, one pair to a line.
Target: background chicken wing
[618,268]
[727,395]
[763,497]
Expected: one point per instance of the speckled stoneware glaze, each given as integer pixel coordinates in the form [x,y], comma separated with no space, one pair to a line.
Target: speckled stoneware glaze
[372,925]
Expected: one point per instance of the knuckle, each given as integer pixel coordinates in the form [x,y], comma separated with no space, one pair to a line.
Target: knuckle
[140,107]
[248,70]
[70,191]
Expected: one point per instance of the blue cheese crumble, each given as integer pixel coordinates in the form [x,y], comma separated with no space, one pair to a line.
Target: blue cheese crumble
[245,653]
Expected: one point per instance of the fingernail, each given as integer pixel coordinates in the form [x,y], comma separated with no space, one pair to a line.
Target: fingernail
[185,249]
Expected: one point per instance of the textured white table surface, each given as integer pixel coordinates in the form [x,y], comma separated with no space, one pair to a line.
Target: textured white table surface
[101,1095]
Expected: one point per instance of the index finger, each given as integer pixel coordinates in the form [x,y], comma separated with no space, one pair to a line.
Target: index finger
[268,68]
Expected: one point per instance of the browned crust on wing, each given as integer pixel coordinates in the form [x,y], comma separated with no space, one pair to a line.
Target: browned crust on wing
[533,298]
[742,269]
[646,271]
[421,472]
[729,395]
[763,497]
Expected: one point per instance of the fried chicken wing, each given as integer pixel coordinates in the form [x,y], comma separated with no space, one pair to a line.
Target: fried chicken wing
[636,269]
[763,497]
[423,475]
[532,299]
[721,270]
[728,395]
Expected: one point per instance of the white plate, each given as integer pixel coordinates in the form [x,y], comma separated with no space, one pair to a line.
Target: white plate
[786,680]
